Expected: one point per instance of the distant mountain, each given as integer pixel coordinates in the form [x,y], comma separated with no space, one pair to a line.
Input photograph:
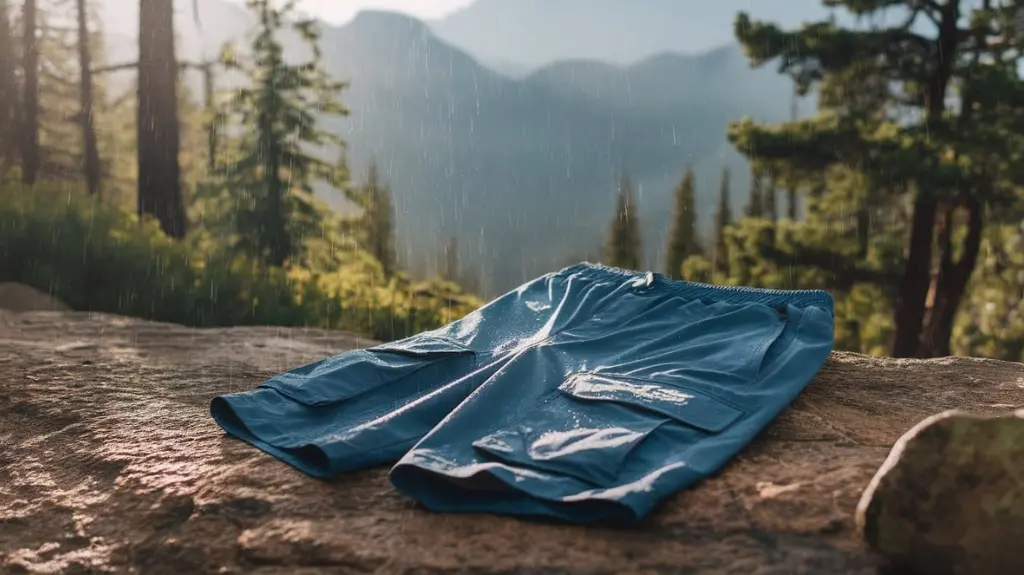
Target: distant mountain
[523,171]
[534,33]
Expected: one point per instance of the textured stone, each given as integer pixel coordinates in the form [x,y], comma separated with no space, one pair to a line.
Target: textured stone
[109,462]
[20,297]
[950,497]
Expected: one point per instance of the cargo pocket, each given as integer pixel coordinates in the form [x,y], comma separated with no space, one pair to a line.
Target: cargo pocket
[591,425]
[353,373]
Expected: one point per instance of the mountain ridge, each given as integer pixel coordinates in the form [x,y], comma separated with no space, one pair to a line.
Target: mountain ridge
[610,30]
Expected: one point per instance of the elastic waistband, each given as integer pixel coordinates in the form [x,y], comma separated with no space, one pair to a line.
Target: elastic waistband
[652,282]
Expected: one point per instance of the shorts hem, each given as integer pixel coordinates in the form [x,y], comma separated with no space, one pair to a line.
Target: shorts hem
[449,489]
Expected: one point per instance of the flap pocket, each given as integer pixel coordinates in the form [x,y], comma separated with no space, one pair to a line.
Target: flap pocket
[686,406]
[359,371]
[593,425]
[423,346]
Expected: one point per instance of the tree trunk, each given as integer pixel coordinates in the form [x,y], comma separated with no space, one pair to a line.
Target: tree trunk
[91,158]
[913,290]
[8,89]
[951,282]
[31,158]
[159,181]
[279,246]
[211,117]
[945,224]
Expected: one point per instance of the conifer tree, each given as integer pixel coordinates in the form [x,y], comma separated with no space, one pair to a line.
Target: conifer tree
[682,235]
[273,179]
[887,121]
[59,120]
[723,219]
[755,197]
[624,246]
[378,220]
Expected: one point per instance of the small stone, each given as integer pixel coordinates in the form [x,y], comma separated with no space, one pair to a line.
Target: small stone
[950,497]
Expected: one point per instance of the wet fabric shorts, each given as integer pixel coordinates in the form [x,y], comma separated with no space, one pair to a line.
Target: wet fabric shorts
[587,394]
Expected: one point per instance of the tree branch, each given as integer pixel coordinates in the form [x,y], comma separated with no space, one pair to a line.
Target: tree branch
[134,65]
[115,67]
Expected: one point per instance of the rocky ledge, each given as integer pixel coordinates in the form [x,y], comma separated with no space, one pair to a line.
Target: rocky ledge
[109,462]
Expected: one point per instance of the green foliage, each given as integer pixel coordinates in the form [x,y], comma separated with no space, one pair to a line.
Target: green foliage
[697,268]
[682,238]
[96,256]
[624,246]
[267,190]
[992,322]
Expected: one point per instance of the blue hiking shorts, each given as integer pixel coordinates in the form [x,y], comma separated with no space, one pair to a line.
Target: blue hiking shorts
[587,394]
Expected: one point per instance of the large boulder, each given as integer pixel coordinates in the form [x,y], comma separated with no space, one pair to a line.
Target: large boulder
[109,462]
[950,497]
[20,297]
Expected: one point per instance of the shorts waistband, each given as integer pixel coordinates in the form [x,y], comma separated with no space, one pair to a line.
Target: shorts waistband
[653,282]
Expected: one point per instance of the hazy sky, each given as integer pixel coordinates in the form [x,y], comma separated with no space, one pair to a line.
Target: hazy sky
[339,11]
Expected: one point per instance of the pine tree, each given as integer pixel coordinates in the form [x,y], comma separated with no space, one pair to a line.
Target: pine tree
[939,162]
[755,197]
[682,236]
[272,180]
[624,246]
[59,121]
[723,219]
[378,220]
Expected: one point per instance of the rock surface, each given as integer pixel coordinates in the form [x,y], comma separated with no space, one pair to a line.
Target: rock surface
[950,497]
[109,462]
